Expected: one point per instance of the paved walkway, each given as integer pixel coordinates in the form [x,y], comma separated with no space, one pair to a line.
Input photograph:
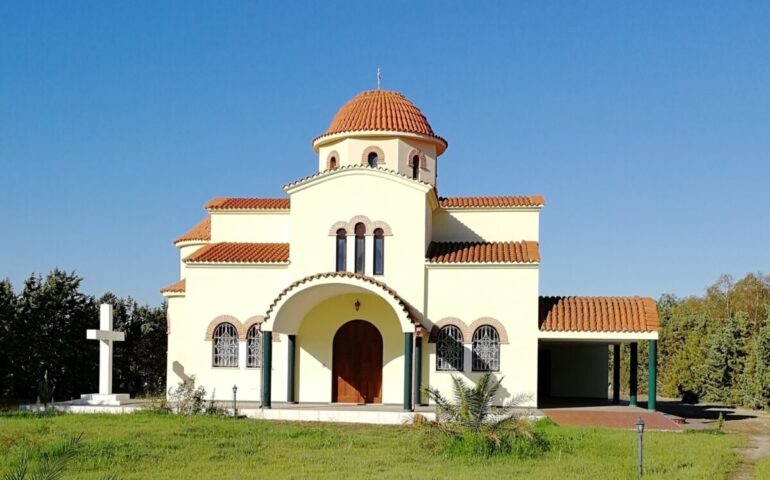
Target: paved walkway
[612,417]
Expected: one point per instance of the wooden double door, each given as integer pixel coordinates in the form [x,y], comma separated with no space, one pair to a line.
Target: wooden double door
[357,363]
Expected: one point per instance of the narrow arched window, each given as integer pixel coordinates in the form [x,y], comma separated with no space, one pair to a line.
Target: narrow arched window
[486,349]
[372,159]
[379,252]
[254,347]
[449,349]
[416,167]
[225,346]
[332,163]
[342,250]
[360,254]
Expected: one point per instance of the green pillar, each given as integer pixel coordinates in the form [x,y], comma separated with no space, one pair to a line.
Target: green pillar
[267,367]
[417,371]
[632,378]
[652,373]
[616,374]
[408,371]
[290,364]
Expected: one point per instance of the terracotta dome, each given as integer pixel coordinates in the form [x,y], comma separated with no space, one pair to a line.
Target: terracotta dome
[380,110]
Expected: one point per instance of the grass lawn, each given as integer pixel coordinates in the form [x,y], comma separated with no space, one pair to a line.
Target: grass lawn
[148,445]
[762,469]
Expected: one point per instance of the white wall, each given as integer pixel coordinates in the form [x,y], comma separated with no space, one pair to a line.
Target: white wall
[507,294]
[490,225]
[380,196]
[213,291]
[261,226]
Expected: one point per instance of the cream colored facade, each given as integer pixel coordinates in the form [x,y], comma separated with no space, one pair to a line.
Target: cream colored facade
[303,300]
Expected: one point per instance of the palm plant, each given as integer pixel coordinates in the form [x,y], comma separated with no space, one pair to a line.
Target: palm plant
[471,409]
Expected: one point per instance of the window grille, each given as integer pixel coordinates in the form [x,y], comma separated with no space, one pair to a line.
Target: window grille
[449,349]
[254,347]
[486,349]
[225,345]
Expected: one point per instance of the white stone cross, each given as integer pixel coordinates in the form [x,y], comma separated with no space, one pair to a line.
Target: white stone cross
[106,336]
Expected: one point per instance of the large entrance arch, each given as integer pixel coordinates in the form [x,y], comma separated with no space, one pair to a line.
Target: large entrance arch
[357,363]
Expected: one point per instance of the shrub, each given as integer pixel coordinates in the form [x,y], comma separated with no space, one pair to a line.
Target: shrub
[187,398]
[470,424]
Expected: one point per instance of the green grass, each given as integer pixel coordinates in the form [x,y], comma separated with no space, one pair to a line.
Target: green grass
[148,445]
[762,469]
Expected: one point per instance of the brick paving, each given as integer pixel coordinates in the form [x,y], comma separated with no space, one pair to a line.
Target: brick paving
[611,418]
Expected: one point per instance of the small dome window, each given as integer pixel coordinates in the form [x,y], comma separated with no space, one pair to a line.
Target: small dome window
[372,159]
[416,167]
[332,163]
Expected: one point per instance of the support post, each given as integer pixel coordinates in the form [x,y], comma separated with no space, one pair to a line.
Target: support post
[633,372]
[616,374]
[652,370]
[418,371]
[267,368]
[290,380]
[408,340]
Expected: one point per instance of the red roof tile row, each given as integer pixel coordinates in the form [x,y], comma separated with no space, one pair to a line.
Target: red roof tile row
[201,231]
[176,287]
[483,252]
[380,110]
[492,202]
[223,203]
[598,314]
[233,252]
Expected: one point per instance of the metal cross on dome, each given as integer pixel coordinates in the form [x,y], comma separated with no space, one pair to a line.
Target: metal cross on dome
[379,77]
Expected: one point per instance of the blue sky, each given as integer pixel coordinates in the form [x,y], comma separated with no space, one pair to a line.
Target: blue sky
[646,126]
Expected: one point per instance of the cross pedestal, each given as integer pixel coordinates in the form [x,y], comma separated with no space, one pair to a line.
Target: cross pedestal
[105,336]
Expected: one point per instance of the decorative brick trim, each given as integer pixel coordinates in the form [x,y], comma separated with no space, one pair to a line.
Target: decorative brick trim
[449,321]
[386,230]
[378,151]
[336,156]
[360,219]
[336,226]
[491,322]
[224,319]
[255,320]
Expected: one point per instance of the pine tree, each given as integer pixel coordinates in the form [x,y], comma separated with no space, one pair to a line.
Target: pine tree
[7,315]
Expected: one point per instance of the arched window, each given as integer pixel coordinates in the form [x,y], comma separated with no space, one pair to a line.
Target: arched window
[342,250]
[332,163]
[449,349]
[486,349]
[360,254]
[225,345]
[416,167]
[254,347]
[379,252]
[372,159]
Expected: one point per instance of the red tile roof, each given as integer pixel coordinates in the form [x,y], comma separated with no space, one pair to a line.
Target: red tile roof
[201,231]
[483,252]
[598,314]
[222,203]
[232,252]
[381,110]
[176,287]
[492,202]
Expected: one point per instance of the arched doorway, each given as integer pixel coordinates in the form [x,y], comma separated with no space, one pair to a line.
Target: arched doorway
[357,363]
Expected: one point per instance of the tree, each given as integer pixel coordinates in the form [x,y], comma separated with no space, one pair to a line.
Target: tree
[7,315]
[49,335]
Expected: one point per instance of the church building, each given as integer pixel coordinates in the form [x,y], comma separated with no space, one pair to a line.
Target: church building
[364,286]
